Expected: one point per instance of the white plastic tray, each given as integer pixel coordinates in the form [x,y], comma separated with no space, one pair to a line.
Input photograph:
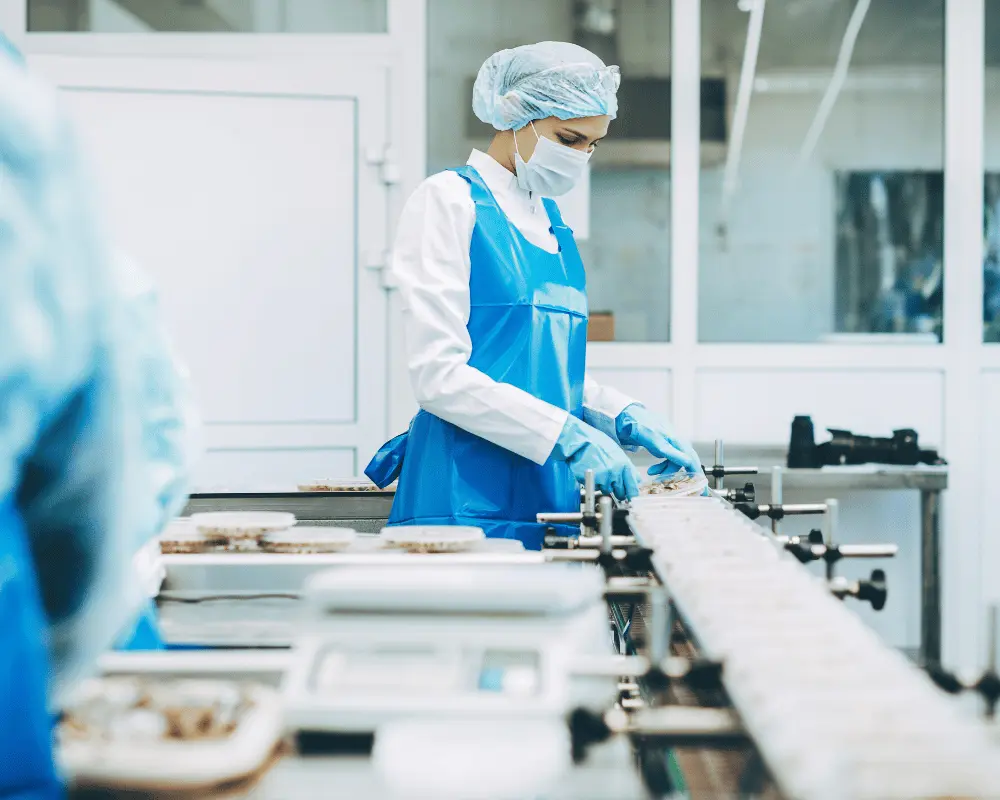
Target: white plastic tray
[179,765]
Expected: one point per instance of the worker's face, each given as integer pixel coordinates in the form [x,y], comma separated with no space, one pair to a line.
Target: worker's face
[581,134]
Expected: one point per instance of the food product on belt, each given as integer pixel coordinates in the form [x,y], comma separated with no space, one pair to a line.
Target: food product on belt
[681,484]
[242,525]
[432,538]
[308,540]
[186,541]
[342,485]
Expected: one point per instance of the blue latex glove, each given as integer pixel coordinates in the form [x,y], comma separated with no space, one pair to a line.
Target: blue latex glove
[584,447]
[638,427]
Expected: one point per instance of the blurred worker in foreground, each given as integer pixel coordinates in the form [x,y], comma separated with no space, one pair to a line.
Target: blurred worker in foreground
[170,436]
[77,483]
[495,307]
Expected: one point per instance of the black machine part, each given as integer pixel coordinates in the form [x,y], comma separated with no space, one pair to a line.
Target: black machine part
[902,448]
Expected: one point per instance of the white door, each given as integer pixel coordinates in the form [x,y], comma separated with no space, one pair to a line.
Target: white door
[246,189]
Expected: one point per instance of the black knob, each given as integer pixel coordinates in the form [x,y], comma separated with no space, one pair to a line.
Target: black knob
[874,590]
[705,675]
[802,552]
[554,540]
[750,510]
[586,728]
[944,680]
[988,687]
[815,536]
[639,559]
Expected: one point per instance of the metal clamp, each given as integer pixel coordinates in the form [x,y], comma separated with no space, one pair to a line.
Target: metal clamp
[720,471]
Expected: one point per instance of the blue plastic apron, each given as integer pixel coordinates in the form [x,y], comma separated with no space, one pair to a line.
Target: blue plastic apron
[26,767]
[528,325]
[145,634]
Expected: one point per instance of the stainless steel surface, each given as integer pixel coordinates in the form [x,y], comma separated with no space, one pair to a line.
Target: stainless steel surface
[930,577]
[991,638]
[868,550]
[608,774]
[363,511]
[795,509]
[851,479]
[261,666]
[830,521]
[657,626]
[606,520]
[589,492]
[560,517]
[776,495]
[595,541]
[720,453]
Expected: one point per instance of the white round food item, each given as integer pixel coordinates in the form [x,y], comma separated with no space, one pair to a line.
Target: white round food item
[242,524]
[308,540]
[190,540]
[432,538]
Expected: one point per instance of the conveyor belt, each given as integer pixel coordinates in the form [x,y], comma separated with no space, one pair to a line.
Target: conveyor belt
[833,711]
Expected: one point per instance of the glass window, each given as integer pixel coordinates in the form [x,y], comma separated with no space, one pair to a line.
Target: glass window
[622,216]
[822,217]
[991,187]
[207,16]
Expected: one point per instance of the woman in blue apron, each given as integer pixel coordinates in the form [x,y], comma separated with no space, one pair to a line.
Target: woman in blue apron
[495,313]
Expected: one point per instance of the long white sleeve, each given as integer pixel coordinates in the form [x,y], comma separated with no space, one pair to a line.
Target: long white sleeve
[431,266]
[602,405]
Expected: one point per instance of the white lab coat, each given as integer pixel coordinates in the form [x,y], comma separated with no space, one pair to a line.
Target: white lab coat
[432,268]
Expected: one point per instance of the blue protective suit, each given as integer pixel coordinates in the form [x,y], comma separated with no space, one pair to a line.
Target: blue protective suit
[169,426]
[528,325]
[73,487]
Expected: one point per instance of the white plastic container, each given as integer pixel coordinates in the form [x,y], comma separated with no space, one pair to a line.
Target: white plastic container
[178,765]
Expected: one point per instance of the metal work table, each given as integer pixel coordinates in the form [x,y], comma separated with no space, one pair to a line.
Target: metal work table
[929,481]
[366,512]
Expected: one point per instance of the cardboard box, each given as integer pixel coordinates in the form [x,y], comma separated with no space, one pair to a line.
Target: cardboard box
[601,327]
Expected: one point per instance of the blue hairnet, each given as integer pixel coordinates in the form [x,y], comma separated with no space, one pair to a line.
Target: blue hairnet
[169,419]
[71,446]
[8,49]
[548,79]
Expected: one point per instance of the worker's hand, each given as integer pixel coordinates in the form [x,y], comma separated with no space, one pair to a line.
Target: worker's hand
[637,427]
[585,448]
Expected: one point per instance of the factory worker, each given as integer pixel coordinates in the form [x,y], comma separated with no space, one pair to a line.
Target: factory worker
[495,313]
[70,433]
[170,434]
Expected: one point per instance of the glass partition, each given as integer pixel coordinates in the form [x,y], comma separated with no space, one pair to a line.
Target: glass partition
[991,183]
[207,16]
[821,218]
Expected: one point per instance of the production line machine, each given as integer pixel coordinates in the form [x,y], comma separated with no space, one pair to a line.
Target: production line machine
[727,647]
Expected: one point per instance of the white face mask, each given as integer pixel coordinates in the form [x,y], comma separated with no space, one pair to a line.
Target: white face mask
[553,168]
